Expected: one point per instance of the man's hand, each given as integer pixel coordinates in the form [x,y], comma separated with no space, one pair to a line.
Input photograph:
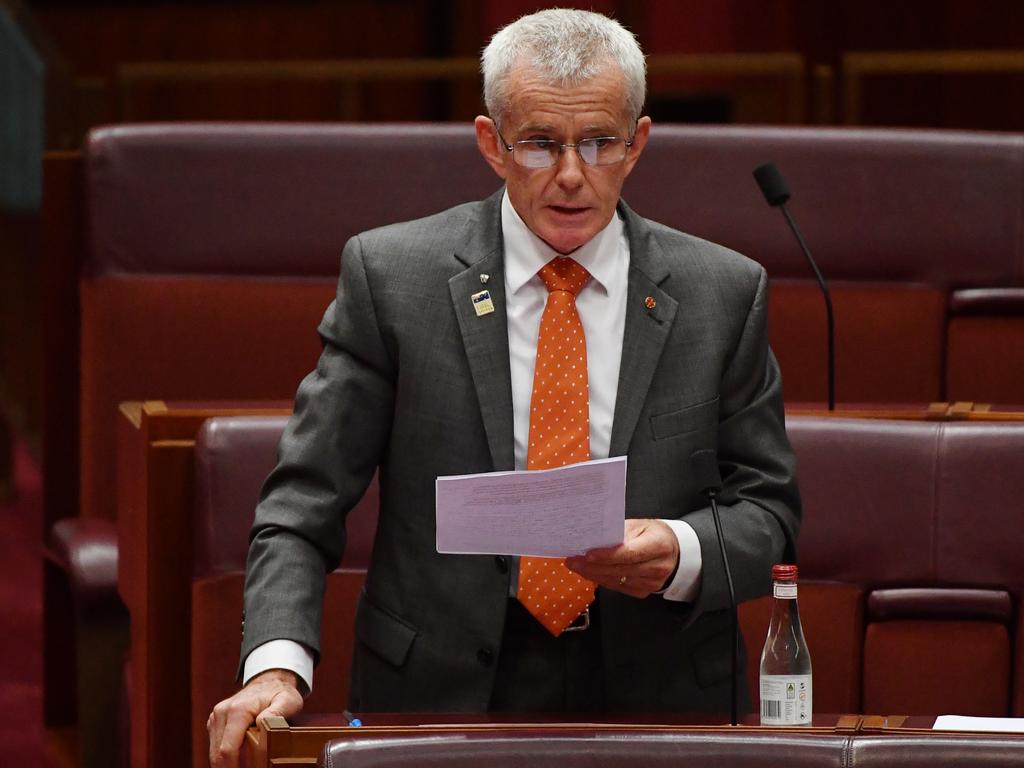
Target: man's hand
[639,566]
[274,692]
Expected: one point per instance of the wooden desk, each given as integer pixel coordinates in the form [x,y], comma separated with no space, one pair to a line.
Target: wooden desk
[837,738]
[278,743]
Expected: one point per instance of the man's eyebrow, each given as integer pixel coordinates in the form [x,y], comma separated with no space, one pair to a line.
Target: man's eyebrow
[602,129]
[537,128]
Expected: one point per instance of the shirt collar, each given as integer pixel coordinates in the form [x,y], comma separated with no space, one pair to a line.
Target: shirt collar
[525,253]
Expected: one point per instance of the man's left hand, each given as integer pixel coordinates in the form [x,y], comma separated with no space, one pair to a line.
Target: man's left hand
[638,566]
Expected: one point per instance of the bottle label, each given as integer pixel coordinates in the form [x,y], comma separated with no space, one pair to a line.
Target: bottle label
[784,591]
[786,700]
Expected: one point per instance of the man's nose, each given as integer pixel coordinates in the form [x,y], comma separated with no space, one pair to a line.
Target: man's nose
[570,169]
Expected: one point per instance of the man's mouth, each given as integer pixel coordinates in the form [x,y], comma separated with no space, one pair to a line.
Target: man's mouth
[566,210]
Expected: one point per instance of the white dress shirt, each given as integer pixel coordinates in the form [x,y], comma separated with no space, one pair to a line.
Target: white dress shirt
[601,304]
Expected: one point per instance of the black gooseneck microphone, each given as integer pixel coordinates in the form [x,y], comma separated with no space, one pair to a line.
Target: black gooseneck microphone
[775,191]
[704,464]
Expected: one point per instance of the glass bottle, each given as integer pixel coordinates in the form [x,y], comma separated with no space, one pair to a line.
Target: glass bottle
[785,660]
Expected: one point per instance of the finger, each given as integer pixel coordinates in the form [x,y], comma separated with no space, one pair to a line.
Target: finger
[231,741]
[218,720]
[636,583]
[640,550]
[632,589]
[215,728]
[650,569]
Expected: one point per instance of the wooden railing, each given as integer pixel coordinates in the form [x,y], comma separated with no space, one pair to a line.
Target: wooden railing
[786,69]
[857,66]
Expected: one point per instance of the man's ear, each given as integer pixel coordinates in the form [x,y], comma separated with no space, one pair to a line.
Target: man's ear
[643,131]
[489,144]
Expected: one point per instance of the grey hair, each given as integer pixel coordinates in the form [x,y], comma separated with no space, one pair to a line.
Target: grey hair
[567,47]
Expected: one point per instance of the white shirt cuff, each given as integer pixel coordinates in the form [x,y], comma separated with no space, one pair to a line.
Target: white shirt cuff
[280,654]
[686,583]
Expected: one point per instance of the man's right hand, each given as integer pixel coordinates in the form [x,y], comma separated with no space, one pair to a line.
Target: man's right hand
[274,692]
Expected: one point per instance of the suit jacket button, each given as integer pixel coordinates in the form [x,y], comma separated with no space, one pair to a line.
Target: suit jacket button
[485,656]
[502,563]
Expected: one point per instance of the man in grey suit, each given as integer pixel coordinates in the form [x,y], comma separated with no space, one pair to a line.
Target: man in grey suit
[419,380]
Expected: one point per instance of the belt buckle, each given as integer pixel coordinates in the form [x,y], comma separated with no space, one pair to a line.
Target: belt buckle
[580,623]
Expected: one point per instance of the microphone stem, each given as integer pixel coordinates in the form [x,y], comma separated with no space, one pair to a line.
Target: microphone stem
[732,603]
[828,309]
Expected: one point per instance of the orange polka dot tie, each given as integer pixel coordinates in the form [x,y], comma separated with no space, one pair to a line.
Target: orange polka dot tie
[559,434]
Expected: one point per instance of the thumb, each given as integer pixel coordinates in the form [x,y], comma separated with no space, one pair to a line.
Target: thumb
[279,706]
[272,711]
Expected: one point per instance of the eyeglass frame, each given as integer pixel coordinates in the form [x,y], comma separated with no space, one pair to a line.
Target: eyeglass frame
[561,149]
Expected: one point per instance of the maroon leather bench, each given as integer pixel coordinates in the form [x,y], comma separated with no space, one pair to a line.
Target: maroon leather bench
[233,456]
[599,749]
[213,250]
[730,749]
[923,517]
[920,232]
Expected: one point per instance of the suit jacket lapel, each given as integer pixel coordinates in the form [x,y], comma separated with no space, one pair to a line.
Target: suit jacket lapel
[647,328]
[485,337]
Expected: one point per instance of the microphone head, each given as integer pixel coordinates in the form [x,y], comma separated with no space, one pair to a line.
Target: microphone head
[704,465]
[772,185]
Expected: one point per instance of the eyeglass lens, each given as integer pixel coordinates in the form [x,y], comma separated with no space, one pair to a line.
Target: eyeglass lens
[543,154]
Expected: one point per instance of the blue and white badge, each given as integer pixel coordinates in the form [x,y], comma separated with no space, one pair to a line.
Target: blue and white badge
[482,303]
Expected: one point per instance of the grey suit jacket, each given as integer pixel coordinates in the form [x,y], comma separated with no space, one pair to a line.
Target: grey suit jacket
[412,381]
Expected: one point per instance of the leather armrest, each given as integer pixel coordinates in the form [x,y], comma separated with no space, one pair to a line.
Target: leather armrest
[934,603]
[987,301]
[87,549]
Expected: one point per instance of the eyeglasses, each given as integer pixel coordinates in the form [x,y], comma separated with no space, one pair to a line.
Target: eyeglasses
[544,153]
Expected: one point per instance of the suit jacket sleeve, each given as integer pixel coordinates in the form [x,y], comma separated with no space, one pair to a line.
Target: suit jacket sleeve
[759,502]
[328,453]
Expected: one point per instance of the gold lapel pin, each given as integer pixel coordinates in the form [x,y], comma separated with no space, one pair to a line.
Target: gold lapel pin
[650,303]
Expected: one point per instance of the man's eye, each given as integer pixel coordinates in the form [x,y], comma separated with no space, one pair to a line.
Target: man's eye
[601,142]
[542,143]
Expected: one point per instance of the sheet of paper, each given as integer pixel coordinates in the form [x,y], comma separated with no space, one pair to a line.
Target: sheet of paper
[964,723]
[551,512]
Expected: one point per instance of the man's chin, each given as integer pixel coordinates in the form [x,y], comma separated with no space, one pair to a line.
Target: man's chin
[566,239]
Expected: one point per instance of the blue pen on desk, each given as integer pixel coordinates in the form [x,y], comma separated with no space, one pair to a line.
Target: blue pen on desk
[351,719]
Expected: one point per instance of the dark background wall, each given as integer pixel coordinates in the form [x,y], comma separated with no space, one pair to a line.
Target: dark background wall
[96,38]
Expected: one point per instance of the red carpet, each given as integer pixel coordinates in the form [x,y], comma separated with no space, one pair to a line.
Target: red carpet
[21,654]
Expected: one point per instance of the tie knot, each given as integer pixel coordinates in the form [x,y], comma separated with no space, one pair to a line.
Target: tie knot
[564,274]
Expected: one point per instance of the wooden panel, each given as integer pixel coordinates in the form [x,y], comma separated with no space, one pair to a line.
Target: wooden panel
[96,38]
[156,475]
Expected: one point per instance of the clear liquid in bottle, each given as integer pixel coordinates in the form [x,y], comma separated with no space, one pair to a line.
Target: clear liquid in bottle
[785,680]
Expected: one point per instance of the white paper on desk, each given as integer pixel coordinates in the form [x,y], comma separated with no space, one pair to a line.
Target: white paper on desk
[550,512]
[965,723]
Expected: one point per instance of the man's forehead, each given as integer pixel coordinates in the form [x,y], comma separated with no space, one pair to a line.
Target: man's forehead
[537,104]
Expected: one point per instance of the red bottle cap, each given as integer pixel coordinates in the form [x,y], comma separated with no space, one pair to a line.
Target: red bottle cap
[784,573]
